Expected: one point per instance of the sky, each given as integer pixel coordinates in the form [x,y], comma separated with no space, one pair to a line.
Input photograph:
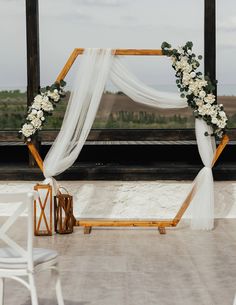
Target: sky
[66,24]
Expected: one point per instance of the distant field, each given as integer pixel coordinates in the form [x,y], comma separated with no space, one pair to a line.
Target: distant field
[115,111]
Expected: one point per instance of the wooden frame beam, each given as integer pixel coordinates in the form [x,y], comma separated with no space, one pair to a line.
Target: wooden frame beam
[121,52]
[33,61]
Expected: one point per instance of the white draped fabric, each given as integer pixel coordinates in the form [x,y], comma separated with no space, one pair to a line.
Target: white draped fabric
[139,92]
[96,65]
[81,111]
[203,202]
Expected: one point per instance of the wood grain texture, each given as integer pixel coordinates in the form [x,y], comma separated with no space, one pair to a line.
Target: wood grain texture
[220,148]
[184,206]
[68,65]
[35,154]
[63,213]
[162,230]
[87,229]
[124,223]
[119,52]
[42,204]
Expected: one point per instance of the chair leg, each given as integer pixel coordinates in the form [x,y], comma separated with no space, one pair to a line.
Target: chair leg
[56,275]
[33,291]
[1,291]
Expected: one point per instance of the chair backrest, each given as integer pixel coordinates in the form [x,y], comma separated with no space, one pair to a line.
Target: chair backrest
[24,203]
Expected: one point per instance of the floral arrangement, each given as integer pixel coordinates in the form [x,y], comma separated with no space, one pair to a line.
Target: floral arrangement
[42,106]
[196,88]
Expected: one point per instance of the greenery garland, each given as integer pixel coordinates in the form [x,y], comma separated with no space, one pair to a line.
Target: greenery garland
[196,88]
[42,107]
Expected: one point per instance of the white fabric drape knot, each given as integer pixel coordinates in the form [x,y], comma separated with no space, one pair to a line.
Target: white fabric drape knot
[202,206]
[94,69]
[53,182]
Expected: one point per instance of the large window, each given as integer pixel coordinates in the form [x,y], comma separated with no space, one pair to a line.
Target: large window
[13,64]
[226,65]
[65,25]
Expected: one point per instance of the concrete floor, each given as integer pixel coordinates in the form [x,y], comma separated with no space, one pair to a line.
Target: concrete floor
[139,267]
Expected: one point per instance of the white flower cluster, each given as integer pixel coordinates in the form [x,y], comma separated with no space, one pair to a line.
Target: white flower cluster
[196,89]
[43,103]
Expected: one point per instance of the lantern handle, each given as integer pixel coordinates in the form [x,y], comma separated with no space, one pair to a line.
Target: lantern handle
[61,187]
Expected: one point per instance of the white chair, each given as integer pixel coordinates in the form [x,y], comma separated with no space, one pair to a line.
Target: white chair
[21,264]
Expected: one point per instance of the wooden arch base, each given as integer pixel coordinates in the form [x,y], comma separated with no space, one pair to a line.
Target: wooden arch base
[161,224]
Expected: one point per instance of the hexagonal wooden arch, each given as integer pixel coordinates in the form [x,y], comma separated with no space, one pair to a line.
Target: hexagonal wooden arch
[161,224]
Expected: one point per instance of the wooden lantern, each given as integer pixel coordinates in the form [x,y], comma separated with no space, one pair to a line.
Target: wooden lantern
[64,220]
[43,208]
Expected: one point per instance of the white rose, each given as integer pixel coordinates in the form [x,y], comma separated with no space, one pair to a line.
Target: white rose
[221,124]
[199,103]
[188,68]
[202,110]
[47,105]
[192,74]
[38,98]
[186,78]
[202,93]
[210,98]
[54,95]
[222,114]
[37,102]
[31,116]
[200,83]
[27,130]
[36,123]
[42,118]
[37,105]
[178,65]
[213,112]
[45,99]
[34,111]
[214,120]
[39,113]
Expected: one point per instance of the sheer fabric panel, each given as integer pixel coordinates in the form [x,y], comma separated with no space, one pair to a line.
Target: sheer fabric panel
[202,205]
[81,110]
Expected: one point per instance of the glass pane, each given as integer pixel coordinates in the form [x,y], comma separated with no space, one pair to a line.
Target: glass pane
[226,65]
[13,64]
[121,24]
